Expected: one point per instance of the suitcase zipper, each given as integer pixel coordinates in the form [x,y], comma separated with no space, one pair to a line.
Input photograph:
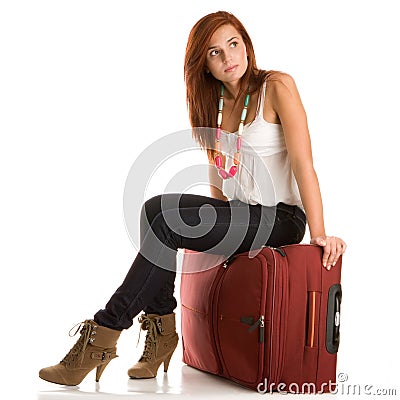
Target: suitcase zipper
[278,249]
[271,378]
[261,324]
[214,316]
[227,261]
[278,316]
[262,329]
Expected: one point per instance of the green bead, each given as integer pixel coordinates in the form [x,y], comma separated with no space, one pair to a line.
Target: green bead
[247,100]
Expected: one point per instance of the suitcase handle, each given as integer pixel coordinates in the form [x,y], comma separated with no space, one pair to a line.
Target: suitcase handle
[333,319]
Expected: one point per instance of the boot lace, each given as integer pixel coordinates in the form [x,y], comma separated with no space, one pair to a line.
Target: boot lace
[151,337]
[78,350]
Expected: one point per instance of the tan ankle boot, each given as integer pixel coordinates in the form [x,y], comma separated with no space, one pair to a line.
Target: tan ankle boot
[94,349]
[160,344]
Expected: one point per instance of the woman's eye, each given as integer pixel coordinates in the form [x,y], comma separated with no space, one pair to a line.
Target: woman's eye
[233,44]
[214,53]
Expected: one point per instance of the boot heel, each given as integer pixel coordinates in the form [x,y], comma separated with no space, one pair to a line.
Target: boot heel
[99,370]
[166,362]
[161,341]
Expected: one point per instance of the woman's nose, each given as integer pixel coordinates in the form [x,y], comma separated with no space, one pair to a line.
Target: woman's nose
[227,57]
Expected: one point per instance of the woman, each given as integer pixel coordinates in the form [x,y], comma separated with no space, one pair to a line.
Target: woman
[263,110]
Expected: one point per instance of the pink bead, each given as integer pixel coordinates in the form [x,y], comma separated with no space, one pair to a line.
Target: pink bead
[233,170]
[223,174]
[239,143]
[218,134]
[218,161]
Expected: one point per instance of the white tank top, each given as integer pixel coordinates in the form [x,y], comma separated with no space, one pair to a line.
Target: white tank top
[265,175]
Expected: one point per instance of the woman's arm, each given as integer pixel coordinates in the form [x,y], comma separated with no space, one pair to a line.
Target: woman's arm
[287,104]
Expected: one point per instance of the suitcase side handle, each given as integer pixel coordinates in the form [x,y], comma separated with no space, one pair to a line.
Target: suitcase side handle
[333,318]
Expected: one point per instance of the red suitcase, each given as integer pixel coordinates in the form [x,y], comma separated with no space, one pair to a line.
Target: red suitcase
[270,323]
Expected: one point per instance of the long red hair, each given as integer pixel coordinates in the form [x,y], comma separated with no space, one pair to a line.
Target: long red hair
[202,89]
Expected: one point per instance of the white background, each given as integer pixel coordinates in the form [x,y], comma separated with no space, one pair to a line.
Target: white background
[85,86]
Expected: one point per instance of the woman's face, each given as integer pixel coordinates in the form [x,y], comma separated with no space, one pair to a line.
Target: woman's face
[226,55]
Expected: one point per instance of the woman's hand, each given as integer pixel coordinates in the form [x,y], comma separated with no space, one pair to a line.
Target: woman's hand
[333,246]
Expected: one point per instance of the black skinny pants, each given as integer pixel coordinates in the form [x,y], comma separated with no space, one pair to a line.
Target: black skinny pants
[173,221]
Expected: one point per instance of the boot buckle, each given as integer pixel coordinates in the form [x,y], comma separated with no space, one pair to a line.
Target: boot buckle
[102,356]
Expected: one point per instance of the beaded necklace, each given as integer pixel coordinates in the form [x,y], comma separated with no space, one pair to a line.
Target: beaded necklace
[218,158]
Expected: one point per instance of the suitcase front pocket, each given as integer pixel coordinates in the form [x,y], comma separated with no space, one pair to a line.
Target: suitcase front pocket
[198,350]
[239,320]
[242,346]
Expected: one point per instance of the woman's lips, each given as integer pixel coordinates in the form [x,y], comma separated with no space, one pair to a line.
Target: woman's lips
[231,69]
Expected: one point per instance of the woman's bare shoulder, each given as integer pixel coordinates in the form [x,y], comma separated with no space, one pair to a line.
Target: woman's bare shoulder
[276,79]
[279,87]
